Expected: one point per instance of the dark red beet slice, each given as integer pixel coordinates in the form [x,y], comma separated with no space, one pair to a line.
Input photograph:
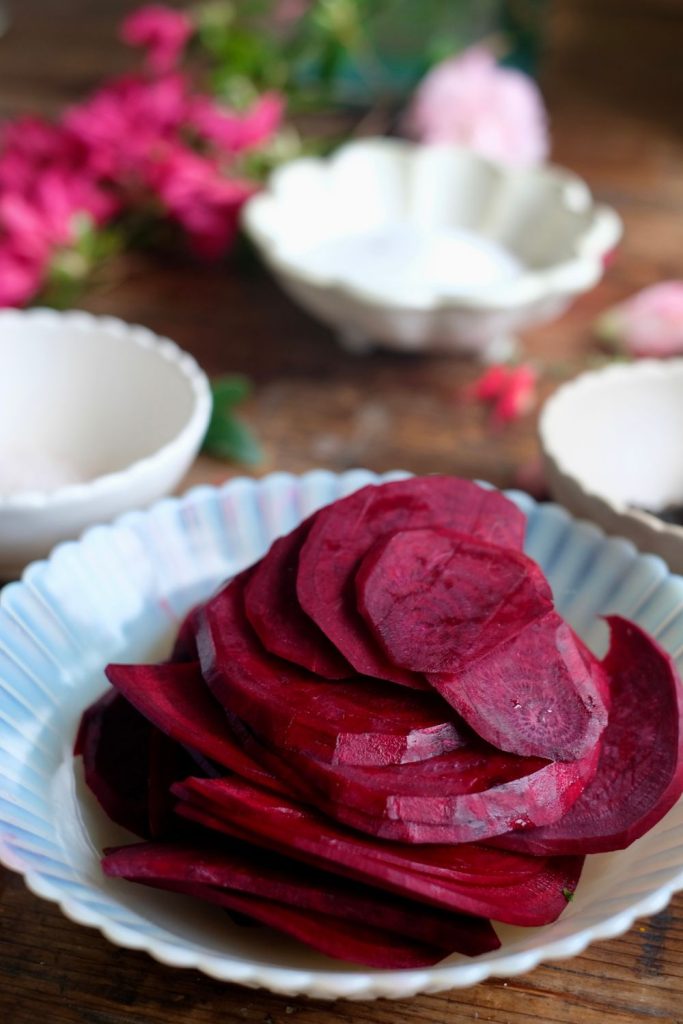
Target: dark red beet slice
[275,614]
[113,739]
[361,722]
[468,878]
[640,772]
[174,697]
[465,796]
[168,762]
[270,876]
[480,621]
[344,531]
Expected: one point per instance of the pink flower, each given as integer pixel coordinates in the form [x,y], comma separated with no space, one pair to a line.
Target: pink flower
[234,132]
[495,111]
[20,278]
[200,199]
[509,391]
[650,323]
[123,123]
[163,32]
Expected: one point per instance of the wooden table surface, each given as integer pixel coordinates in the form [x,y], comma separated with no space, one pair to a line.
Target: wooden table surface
[613,78]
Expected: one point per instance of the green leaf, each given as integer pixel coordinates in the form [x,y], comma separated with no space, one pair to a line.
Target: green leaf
[568,894]
[230,438]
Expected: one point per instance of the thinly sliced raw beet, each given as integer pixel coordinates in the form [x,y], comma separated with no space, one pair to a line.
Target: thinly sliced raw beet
[113,739]
[468,795]
[275,614]
[175,698]
[270,876]
[329,935]
[468,878]
[480,621]
[168,762]
[640,772]
[359,722]
[344,532]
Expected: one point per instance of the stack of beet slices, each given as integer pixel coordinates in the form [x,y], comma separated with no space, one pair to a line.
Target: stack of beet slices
[383,735]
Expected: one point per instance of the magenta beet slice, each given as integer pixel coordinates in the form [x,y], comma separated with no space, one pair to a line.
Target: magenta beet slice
[359,722]
[473,879]
[276,616]
[175,698]
[640,771]
[113,739]
[344,531]
[270,876]
[480,621]
[466,796]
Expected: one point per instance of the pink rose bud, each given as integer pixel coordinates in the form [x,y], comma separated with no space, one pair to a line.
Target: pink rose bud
[470,101]
[650,323]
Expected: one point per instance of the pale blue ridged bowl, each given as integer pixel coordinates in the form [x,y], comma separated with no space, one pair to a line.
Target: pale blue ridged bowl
[119,593]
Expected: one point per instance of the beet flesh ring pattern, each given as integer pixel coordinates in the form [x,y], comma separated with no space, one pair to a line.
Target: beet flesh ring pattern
[280,754]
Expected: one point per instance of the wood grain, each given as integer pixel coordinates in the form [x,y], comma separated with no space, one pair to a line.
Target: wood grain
[613,77]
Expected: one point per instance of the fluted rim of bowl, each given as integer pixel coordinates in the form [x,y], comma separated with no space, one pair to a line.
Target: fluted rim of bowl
[351,983]
[567,393]
[568,277]
[166,349]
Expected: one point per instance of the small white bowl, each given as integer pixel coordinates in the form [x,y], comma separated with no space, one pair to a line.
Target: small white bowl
[611,442]
[111,412]
[429,247]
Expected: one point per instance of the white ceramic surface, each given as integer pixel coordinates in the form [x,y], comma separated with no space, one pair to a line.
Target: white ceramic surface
[611,441]
[115,406]
[392,195]
[119,593]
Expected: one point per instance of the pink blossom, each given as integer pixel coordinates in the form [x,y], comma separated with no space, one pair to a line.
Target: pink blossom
[650,323]
[471,101]
[235,132]
[287,11]
[163,32]
[20,278]
[200,199]
[123,122]
[509,391]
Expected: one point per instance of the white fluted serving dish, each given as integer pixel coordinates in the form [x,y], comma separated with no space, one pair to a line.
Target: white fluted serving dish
[611,446]
[117,412]
[377,241]
[119,594]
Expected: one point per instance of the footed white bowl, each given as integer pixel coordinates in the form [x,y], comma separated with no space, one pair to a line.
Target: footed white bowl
[96,416]
[611,446]
[429,247]
[119,594]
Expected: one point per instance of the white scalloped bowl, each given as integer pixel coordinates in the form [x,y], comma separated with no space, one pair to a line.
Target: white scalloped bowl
[611,446]
[380,242]
[118,595]
[119,411]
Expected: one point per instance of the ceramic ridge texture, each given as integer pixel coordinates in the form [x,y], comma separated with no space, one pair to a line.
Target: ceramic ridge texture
[647,531]
[119,594]
[378,181]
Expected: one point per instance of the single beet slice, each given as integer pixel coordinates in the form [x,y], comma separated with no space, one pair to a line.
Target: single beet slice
[473,879]
[480,621]
[276,616]
[640,771]
[468,795]
[359,722]
[174,697]
[344,531]
[436,599]
[262,873]
[114,741]
[167,763]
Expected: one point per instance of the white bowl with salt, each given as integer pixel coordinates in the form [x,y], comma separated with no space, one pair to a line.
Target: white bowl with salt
[429,247]
[96,417]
